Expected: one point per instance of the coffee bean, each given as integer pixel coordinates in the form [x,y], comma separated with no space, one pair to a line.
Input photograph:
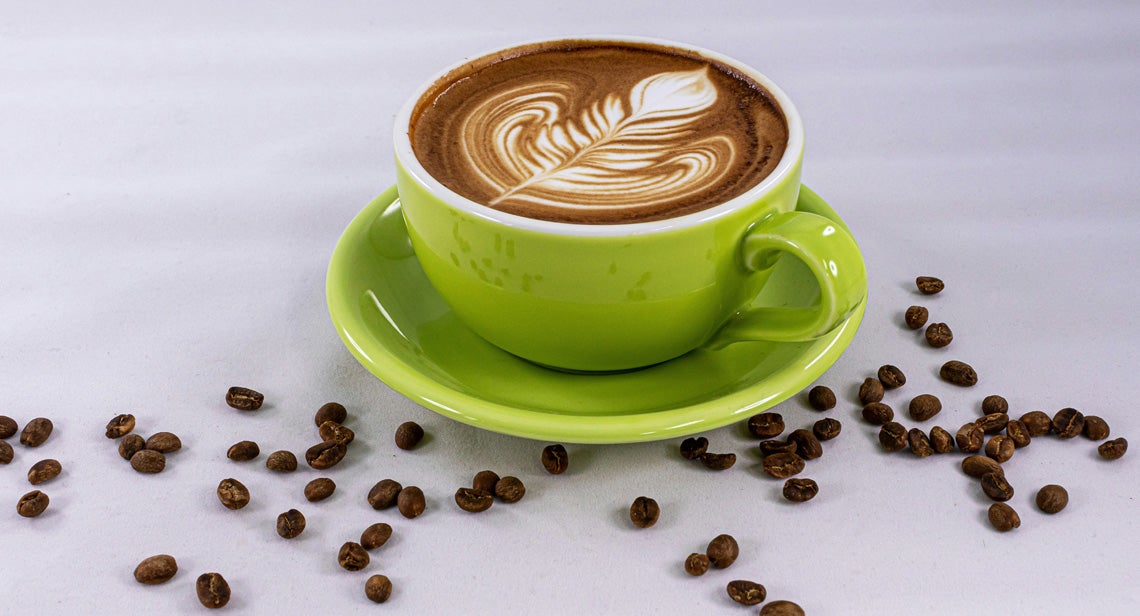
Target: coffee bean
[32,504]
[976,466]
[384,494]
[1018,433]
[36,432]
[800,490]
[411,502]
[892,436]
[1000,448]
[332,431]
[928,285]
[939,335]
[485,480]
[1114,449]
[958,373]
[375,535]
[644,512]
[970,438]
[1038,422]
[994,404]
[826,429]
[281,462]
[1095,429]
[1052,498]
[473,500]
[916,317]
[148,461]
[718,461]
[772,446]
[878,413]
[6,453]
[352,556]
[243,451]
[1003,517]
[783,465]
[120,425]
[164,442]
[766,425]
[693,448]
[722,551]
[330,411]
[510,489]
[378,588]
[1068,422]
[130,445]
[891,377]
[808,446]
[746,593]
[44,470]
[919,443]
[924,406]
[319,489]
[821,398]
[555,459]
[244,399]
[997,487]
[696,564]
[290,524]
[993,423]
[781,608]
[325,455]
[213,590]
[233,494]
[156,569]
[870,391]
[8,427]
[408,435]
[941,440]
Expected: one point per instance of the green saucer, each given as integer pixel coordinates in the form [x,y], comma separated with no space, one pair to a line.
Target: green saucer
[397,326]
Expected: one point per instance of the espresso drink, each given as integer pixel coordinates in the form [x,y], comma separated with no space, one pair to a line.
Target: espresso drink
[598,132]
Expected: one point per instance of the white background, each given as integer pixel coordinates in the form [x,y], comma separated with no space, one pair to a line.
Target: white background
[174,177]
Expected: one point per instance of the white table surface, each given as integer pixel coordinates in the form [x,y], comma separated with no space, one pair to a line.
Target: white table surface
[174,176]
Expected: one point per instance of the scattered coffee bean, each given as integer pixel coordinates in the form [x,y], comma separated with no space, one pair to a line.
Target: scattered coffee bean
[485,480]
[644,512]
[411,502]
[772,446]
[156,569]
[555,459]
[892,436]
[408,435]
[928,285]
[958,373]
[924,406]
[1003,517]
[243,451]
[718,461]
[510,489]
[746,593]
[44,470]
[8,427]
[384,494]
[375,535]
[916,317]
[332,431]
[1095,429]
[994,404]
[330,411]
[281,462]
[319,489]
[891,377]
[808,446]
[164,442]
[970,438]
[694,447]
[722,551]
[696,564]
[1052,498]
[325,455]
[473,500]
[781,608]
[919,443]
[783,465]
[800,490]
[826,429]
[130,445]
[6,453]
[1114,449]
[1068,422]
[976,466]
[939,335]
[870,391]
[878,413]
[352,556]
[244,399]
[766,425]
[233,494]
[941,440]
[36,432]
[1018,433]
[993,423]
[378,588]
[32,504]
[213,590]
[290,524]
[1000,448]
[148,461]
[821,398]
[120,426]
[1038,422]
[997,487]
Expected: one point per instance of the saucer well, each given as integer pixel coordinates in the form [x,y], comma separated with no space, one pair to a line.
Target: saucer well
[396,325]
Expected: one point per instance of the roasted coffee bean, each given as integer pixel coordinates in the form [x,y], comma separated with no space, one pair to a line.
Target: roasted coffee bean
[330,411]
[994,404]
[941,440]
[243,451]
[718,461]
[233,494]
[997,487]
[800,490]
[1114,449]
[290,524]
[165,442]
[696,564]
[32,504]
[213,590]
[644,512]
[772,446]
[892,436]
[319,489]
[411,502]
[745,592]
[510,489]
[244,399]
[1018,433]
[1068,422]
[694,447]
[993,423]
[924,406]
[378,588]
[1095,429]
[120,425]
[130,445]
[6,453]
[766,425]
[958,373]
[473,500]
[148,461]
[870,391]
[970,438]
[408,435]
[332,431]
[1000,448]
[36,432]
[919,443]
[939,335]
[375,536]
[976,466]
[891,377]
[878,413]
[281,461]
[826,429]
[1038,422]
[1052,498]
[928,285]
[555,459]
[156,569]
[1003,517]
[821,398]
[783,465]
[352,556]
[781,608]
[808,446]
[325,455]
[44,470]
[722,551]
[384,494]
[8,427]
[916,317]
[485,480]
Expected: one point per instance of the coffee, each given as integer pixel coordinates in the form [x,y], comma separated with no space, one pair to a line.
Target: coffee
[598,132]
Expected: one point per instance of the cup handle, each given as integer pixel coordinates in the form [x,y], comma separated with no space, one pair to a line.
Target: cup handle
[829,252]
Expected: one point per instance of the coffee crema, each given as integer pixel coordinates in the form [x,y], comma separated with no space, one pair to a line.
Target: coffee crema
[598,132]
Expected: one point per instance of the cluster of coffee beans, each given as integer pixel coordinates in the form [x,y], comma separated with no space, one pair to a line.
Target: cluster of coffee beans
[34,434]
[145,455]
[720,553]
[696,448]
[485,486]
[213,590]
